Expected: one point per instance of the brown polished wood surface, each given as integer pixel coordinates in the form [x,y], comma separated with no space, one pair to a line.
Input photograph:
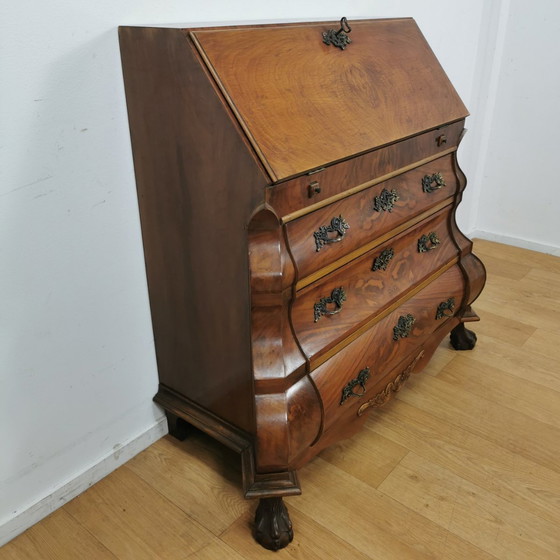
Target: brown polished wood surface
[247,141]
[364,222]
[378,351]
[197,270]
[369,291]
[291,199]
[328,104]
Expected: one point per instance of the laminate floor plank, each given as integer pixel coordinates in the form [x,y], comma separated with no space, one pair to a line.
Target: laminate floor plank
[538,402]
[513,332]
[537,367]
[368,457]
[542,284]
[544,342]
[136,522]
[509,301]
[478,516]
[501,425]
[521,481]
[203,483]
[374,523]
[516,255]
[496,266]
[57,537]
[216,550]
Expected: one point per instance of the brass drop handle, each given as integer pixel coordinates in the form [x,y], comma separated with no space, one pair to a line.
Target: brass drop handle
[445,308]
[323,236]
[428,242]
[385,201]
[404,325]
[337,297]
[431,183]
[382,261]
[360,382]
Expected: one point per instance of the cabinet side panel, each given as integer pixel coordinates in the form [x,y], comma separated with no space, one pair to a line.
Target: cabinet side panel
[198,184]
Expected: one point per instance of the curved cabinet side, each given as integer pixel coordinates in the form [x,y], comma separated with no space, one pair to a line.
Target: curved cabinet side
[473,269]
[287,407]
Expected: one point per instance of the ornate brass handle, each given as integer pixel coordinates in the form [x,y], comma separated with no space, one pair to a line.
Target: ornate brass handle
[382,261]
[393,387]
[428,242]
[445,308]
[431,183]
[385,201]
[338,226]
[338,295]
[338,38]
[359,381]
[403,327]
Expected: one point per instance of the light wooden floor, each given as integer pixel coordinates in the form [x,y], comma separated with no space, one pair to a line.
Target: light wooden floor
[463,464]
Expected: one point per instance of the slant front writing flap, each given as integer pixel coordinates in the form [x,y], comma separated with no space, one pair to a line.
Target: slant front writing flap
[305,104]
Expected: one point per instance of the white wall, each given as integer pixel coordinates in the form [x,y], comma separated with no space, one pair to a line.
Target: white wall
[519,195]
[77,361]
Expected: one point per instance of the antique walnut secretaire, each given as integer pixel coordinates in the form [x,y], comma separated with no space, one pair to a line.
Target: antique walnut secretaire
[297,187]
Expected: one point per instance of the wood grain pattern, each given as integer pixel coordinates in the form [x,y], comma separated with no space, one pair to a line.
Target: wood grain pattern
[482,416]
[379,526]
[474,458]
[123,521]
[366,223]
[368,292]
[187,255]
[479,517]
[378,350]
[291,199]
[324,103]
[58,537]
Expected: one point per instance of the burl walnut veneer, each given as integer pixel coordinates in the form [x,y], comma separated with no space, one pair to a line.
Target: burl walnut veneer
[297,188]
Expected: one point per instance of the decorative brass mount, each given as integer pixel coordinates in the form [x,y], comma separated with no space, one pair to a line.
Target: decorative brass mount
[393,387]
[385,201]
[382,261]
[338,38]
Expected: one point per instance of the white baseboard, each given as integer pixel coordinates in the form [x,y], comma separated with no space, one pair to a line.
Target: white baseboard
[82,482]
[516,242]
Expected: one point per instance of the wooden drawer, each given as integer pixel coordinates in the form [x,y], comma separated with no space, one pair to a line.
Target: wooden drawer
[366,292]
[316,241]
[380,349]
[292,199]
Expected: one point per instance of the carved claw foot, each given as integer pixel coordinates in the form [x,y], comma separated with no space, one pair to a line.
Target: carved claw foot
[178,428]
[273,528]
[462,339]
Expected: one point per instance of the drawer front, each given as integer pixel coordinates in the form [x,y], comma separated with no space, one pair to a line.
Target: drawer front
[320,238]
[328,311]
[358,372]
[320,187]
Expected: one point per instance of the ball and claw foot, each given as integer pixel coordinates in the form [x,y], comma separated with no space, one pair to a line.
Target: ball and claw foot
[273,528]
[462,339]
